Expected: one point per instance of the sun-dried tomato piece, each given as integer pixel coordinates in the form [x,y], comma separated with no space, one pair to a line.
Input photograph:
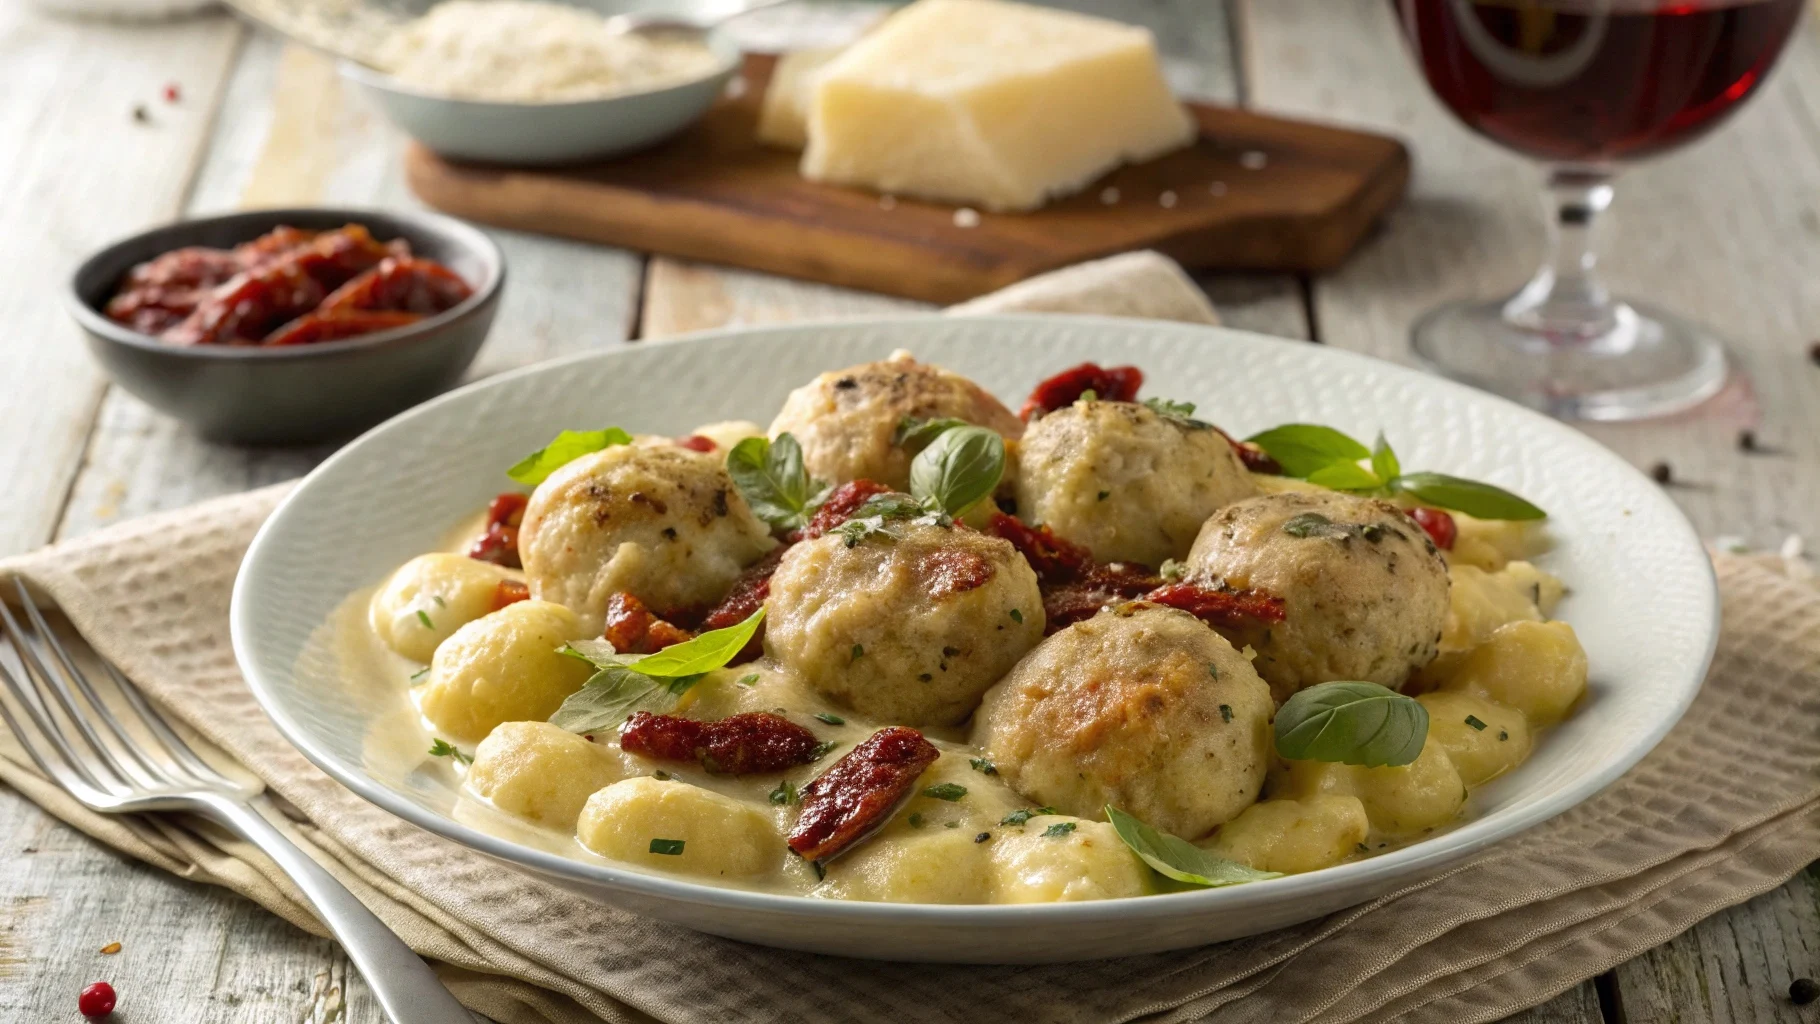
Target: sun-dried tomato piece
[507,509]
[662,737]
[1109,383]
[1054,559]
[336,326]
[1439,526]
[1220,606]
[856,796]
[1254,457]
[279,242]
[634,629]
[840,506]
[250,306]
[401,284]
[510,592]
[1065,604]
[754,743]
[159,293]
[947,571]
[696,443]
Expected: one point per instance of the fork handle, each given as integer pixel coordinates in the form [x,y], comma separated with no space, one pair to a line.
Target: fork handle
[408,991]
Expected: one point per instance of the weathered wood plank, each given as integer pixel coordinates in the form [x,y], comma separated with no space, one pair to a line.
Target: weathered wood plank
[77,171]
[188,952]
[1726,241]
[1578,1005]
[1733,968]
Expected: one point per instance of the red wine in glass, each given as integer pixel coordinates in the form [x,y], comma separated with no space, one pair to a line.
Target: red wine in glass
[1586,85]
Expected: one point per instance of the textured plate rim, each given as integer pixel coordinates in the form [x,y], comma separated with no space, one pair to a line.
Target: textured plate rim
[1407,865]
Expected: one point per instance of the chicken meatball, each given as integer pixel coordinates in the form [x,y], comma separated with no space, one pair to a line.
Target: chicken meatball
[1128,483]
[1364,591]
[661,522]
[908,627]
[847,420]
[1144,708]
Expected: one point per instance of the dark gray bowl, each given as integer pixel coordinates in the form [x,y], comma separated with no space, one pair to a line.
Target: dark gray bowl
[300,393]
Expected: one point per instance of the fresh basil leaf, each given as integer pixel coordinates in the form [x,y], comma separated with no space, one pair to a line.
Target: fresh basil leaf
[1482,501]
[913,435]
[1302,448]
[1180,859]
[1180,412]
[1351,723]
[771,477]
[614,694]
[568,446]
[881,513]
[1384,460]
[1346,476]
[959,469]
[704,652]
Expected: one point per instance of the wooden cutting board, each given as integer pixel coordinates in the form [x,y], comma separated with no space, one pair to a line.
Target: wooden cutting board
[1254,193]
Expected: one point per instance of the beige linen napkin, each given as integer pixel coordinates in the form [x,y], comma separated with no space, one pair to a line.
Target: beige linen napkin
[1726,808]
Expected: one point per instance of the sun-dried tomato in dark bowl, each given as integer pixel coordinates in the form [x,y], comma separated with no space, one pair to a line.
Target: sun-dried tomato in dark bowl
[385,318]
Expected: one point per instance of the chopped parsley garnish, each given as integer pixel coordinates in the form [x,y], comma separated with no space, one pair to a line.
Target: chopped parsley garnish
[946,791]
[1473,720]
[982,837]
[1024,814]
[785,793]
[859,651]
[1104,495]
[1225,712]
[1214,671]
[983,765]
[951,824]
[748,679]
[1089,395]
[822,749]
[1058,830]
[916,821]
[424,617]
[1180,412]
[667,847]
[661,775]
[823,716]
[1017,616]
[420,673]
[1503,735]
[443,748]
[440,603]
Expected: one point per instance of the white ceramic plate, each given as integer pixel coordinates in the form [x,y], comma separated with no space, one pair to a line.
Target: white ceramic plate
[1642,594]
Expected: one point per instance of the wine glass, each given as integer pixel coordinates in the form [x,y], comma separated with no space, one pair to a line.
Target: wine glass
[1586,86]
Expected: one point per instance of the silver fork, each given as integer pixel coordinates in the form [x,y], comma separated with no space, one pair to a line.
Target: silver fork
[119,773]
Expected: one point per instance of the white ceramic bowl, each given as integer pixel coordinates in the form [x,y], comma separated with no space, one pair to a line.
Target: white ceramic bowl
[1642,594]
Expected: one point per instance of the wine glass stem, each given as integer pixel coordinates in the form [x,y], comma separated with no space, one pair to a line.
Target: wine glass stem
[1566,304]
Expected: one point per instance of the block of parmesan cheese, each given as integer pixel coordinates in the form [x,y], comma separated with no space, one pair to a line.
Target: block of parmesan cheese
[991,104]
[783,120]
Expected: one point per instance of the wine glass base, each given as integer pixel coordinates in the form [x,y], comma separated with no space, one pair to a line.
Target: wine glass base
[1649,363]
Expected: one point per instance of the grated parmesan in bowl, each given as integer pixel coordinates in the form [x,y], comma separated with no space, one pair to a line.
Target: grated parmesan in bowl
[530,51]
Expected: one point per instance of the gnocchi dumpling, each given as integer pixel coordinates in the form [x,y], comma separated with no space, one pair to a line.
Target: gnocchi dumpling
[1539,668]
[1292,836]
[1480,603]
[1490,544]
[931,864]
[430,597]
[1482,739]
[503,667]
[1058,859]
[1402,800]
[542,773]
[675,826]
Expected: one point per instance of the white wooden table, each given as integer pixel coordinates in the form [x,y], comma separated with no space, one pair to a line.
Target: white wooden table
[1728,231]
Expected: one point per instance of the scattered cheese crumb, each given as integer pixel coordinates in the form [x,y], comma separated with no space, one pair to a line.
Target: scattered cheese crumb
[1253,159]
[1218,188]
[887,202]
[966,217]
[1109,196]
[1166,200]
